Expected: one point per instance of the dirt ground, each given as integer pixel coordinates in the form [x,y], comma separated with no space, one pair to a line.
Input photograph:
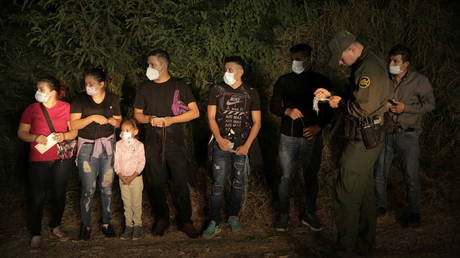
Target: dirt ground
[437,237]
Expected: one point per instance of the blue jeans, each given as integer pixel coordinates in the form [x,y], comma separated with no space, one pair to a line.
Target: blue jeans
[222,161]
[95,171]
[406,145]
[292,149]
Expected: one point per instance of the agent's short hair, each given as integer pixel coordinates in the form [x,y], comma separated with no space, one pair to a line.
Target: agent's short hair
[160,53]
[402,50]
[235,59]
[301,48]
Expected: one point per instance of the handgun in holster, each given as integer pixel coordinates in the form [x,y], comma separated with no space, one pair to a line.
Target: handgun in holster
[371,131]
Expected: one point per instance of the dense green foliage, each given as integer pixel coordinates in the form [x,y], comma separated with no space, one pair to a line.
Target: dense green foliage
[118,34]
[66,37]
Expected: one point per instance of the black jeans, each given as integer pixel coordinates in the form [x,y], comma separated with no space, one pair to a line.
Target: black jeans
[51,177]
[157,176]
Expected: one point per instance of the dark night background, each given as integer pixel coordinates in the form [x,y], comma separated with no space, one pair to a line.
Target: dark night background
[64,38]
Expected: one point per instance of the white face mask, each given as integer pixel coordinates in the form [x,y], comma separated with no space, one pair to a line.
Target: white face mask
[229,78]
[125,135]
[91,90]
[152,73]
[41,97]
[297,66]
[395,69]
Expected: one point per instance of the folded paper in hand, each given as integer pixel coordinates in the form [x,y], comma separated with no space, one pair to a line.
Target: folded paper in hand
[50,142]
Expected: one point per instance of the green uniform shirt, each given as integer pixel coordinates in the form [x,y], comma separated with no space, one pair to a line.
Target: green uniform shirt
[371,87]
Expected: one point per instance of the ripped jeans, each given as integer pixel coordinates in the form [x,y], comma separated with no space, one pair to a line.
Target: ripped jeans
[222,161]
[92,170]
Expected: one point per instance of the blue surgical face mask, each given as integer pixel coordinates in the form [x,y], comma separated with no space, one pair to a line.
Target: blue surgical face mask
[41,97]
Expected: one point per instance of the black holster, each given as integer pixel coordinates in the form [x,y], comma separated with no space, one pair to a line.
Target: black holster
[371,132]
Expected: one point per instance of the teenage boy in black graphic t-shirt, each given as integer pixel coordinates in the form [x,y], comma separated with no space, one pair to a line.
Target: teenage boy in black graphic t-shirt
[164,103]
[235,120]
[233,111]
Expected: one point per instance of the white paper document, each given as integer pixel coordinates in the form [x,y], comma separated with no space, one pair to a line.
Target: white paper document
[50,142]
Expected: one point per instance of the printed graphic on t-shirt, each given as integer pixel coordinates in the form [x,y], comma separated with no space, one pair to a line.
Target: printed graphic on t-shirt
[178,107]
[234,118]
[235,108]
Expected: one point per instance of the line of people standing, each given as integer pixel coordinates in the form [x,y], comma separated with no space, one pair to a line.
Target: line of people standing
[164,104]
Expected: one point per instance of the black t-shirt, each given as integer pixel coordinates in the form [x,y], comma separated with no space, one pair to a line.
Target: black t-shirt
[85,105]
[233,111]
[157,99]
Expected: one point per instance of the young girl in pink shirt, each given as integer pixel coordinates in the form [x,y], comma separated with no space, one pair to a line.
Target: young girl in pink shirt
[129,163]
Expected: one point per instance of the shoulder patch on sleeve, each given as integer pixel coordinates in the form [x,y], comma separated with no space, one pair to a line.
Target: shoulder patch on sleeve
[364,82]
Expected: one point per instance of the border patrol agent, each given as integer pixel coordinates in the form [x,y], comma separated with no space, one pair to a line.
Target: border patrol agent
[364,108]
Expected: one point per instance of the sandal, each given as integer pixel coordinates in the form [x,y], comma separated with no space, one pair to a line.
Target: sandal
[35,244]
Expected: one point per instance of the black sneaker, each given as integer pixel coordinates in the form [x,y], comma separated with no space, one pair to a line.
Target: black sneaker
[281,223]
[137,232]
[107,230]
[189,229]
[413,220]
[127,233]
[85,233]
[159,227]
[310,220]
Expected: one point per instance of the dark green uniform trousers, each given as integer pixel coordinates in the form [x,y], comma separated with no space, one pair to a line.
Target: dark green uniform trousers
[355,200]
